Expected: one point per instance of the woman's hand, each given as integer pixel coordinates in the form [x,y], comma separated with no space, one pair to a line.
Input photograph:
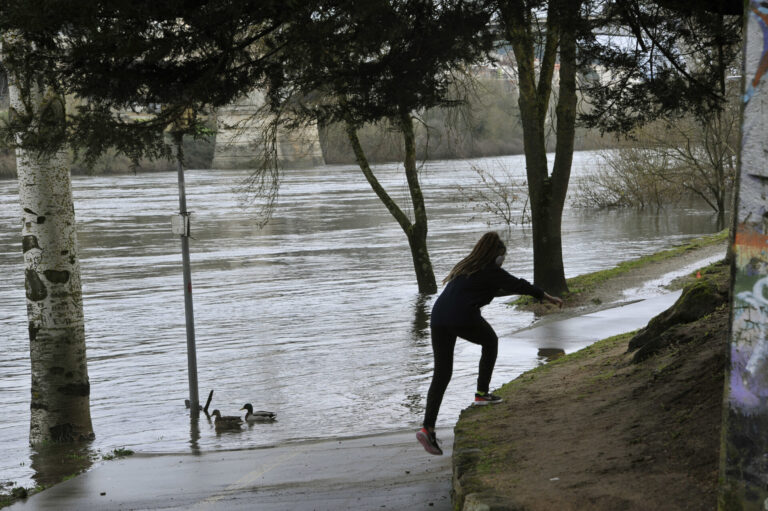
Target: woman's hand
[553,300]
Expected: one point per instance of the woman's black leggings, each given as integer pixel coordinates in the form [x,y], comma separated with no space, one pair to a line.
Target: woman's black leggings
[443,342]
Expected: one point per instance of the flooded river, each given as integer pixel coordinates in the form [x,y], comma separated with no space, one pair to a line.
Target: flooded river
[316,316]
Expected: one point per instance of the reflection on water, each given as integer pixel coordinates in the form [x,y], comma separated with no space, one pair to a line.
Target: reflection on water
[194,434]
[316,317]
[53,463]
[420,327]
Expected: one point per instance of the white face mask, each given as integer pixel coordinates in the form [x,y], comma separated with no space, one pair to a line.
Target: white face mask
[499,260]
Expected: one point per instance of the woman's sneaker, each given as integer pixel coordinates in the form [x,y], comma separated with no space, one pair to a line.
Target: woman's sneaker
[429,441]
[486,398]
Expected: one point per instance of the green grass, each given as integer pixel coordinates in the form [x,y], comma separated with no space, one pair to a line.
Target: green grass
[584,353]
[587,282]
[18,493]
[117,453]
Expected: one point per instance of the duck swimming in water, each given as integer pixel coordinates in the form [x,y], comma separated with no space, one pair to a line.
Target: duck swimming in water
[258,415]
[226,422]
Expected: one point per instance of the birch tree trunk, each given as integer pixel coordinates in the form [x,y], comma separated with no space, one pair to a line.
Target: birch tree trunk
[60,390]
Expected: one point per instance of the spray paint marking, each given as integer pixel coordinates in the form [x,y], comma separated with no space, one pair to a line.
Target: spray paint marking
[246,481]
[761,15]
[750,246]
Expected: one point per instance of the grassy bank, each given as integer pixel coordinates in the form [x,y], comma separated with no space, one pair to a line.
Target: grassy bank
[586,283]
[581,287]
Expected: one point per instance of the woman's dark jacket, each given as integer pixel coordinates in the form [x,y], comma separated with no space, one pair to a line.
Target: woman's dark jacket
[460,302]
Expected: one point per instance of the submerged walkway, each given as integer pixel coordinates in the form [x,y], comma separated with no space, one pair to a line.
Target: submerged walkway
[387,471]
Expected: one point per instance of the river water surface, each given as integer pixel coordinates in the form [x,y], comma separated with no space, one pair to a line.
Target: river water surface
[316,316]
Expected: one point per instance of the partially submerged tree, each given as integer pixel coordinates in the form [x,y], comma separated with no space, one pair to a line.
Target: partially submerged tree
[114,56]
[380,61]
[498,195]
[667,160]
[539,32]
[60,389]
[702,156]
[628,176]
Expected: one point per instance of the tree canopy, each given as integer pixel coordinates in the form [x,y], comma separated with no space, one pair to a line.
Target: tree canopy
[356,63]
[190,55]
[362,62]
[664,58]
[182,56]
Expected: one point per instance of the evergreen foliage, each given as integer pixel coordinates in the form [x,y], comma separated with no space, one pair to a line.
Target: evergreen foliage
[667,58]
[361,62]
[165,61]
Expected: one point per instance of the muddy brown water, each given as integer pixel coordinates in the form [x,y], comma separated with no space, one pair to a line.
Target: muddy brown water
[316,316]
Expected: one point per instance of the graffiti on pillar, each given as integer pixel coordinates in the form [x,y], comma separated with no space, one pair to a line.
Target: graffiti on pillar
[749,349]
[745,481]
[760,13]
[744,468]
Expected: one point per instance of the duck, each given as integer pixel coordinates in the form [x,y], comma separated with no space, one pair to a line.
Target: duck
[226,422]
[258,415]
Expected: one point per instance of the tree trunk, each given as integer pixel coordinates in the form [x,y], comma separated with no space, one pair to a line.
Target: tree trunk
[60,404]
[416,232]
[553,277]
[547,193]
[721,212]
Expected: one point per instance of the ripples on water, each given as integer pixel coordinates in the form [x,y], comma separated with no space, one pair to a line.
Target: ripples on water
[316,316]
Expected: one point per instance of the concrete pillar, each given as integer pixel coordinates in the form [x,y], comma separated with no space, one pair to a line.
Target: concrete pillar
[240,140]
[744,451]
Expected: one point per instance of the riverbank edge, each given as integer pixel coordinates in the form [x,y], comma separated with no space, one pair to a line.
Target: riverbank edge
[477,452]
[7,496]
[593,291]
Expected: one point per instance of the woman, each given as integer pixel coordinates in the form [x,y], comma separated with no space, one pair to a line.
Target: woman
[471,284]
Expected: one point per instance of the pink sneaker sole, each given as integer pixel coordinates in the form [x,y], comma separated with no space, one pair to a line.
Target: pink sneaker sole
[483,402]
[423,439]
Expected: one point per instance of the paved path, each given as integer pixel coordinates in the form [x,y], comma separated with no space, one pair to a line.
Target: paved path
[577,332]
[389,471]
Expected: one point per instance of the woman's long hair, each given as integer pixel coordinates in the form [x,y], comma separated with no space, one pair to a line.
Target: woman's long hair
[486,250]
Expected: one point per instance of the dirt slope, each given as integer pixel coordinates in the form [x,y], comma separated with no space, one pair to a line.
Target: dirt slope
[607,429]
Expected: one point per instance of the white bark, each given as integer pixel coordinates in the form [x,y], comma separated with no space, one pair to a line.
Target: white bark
[60,400]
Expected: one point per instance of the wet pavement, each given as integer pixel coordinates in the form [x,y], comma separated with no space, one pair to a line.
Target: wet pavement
[386,471]
[577,332]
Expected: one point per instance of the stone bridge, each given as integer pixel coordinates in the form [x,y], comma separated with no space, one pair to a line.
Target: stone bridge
[240,140]
[239,136]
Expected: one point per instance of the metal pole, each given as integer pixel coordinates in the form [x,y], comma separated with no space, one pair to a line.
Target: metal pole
[194,399]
